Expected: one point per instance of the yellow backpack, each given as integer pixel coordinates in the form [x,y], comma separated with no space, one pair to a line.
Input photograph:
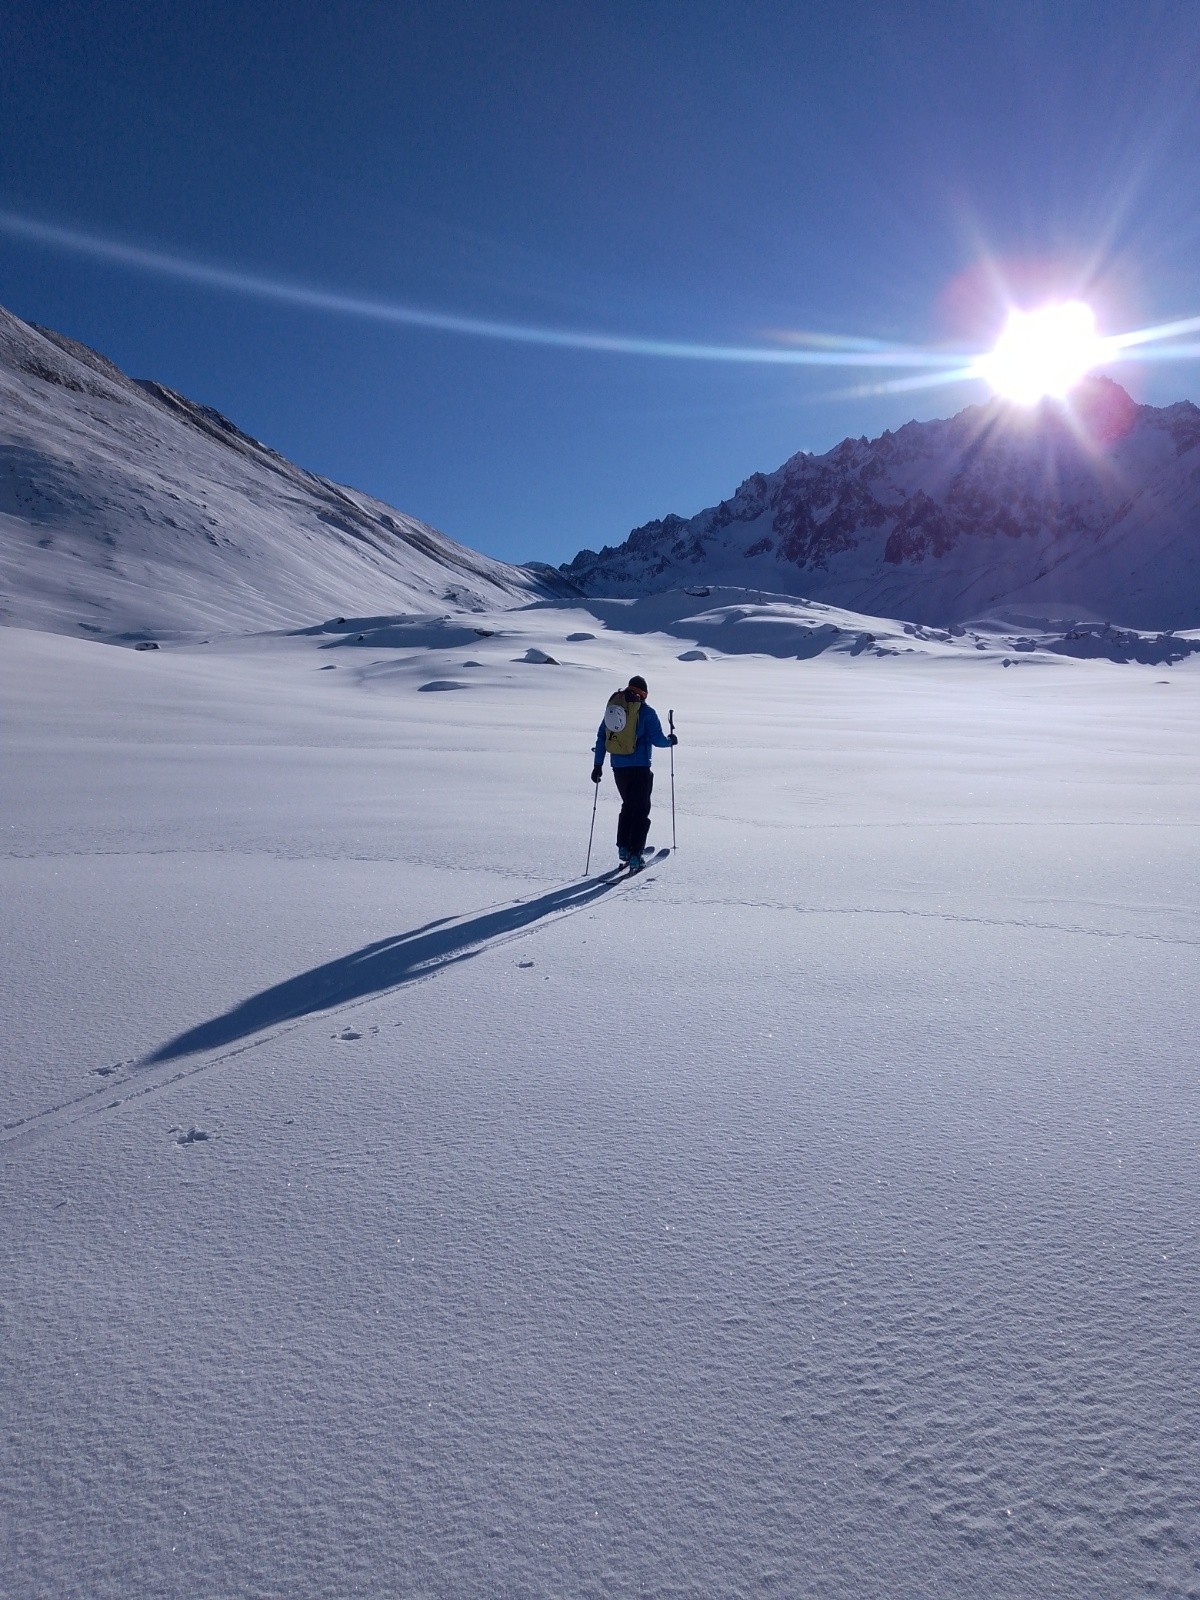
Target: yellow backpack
[620,724]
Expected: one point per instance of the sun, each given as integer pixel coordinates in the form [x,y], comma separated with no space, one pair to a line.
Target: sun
[1044,352]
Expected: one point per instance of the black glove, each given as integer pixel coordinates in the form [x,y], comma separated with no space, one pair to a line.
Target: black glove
[674,738]
[597,774]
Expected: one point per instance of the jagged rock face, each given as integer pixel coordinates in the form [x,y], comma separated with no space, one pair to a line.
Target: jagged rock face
[1093,510]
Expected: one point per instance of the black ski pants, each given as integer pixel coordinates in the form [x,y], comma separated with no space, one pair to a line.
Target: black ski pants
[633,785]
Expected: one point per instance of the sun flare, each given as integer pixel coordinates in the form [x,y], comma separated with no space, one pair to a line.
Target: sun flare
[1044,352]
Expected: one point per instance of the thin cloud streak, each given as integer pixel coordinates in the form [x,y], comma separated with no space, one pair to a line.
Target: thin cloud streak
[333,301]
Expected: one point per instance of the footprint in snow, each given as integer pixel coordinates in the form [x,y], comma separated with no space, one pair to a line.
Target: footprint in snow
[191,1135]
[524,964]
[346,1035]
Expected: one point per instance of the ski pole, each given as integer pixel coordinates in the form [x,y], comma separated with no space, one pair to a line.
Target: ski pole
[592,829]
[671,726]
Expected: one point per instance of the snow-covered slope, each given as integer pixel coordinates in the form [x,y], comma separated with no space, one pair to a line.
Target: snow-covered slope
[1090,513]
[127,509]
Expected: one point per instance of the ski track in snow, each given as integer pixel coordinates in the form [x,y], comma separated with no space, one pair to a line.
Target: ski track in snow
[54,1119]
[941,916]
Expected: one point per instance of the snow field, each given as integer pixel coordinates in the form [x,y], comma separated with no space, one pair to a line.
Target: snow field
[815,1215]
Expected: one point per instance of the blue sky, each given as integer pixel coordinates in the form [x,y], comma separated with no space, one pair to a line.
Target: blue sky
[701,173]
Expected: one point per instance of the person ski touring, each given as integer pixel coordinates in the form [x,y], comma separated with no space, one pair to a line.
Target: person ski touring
[628,732]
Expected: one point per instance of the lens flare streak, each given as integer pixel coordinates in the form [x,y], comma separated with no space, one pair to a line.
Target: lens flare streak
[933,366]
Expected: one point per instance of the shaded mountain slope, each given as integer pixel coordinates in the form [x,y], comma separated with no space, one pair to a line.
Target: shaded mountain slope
[1088,512]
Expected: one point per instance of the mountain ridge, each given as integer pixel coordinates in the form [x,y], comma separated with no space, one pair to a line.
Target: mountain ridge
[1091,510]
[128,510]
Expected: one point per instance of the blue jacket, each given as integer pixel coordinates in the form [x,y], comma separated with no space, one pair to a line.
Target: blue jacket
[649,732]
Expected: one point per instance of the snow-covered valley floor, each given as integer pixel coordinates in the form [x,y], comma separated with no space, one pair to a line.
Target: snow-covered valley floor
[389,1211]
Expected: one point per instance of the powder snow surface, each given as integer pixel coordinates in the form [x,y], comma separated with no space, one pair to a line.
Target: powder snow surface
[388,1210]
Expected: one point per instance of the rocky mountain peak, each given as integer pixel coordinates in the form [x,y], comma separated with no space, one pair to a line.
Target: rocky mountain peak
[1091,506]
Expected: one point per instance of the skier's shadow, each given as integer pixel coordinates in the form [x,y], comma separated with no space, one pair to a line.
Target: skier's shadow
[386,964]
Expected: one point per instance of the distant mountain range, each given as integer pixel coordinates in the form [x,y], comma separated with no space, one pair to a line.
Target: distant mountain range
[128,510]
[1090,511]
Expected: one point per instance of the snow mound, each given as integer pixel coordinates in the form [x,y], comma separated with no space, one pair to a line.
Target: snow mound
[754,622]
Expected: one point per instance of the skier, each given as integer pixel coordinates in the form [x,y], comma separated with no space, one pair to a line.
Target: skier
[628,731]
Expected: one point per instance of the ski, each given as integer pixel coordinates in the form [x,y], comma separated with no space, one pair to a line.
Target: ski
[652,860]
